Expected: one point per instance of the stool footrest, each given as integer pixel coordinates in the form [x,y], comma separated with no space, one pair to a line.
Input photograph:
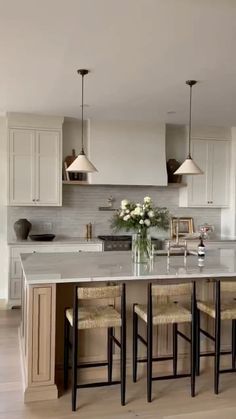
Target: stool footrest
[92,364]
[183,336]
[205,333]
[142,339]
[213,353]
[98,384]
[226,371]
[170,377]
[116,341]
[156,359]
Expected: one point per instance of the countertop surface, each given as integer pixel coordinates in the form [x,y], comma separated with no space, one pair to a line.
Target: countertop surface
[43,268]
[59,240]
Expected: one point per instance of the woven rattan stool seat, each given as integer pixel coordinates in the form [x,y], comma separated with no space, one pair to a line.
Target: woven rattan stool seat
[95,317]
[165,313]
[228,309]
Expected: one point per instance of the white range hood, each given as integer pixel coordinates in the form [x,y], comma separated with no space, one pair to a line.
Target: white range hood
[127,153]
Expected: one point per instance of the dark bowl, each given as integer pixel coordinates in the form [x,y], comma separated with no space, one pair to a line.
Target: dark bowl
[42,237]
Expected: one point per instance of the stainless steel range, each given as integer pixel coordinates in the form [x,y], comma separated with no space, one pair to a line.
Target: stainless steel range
[123,242]
[116,242]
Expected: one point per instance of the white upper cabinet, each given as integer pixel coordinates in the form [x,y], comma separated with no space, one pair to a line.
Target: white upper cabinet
[127,153]
[34,165]
[212,188]
[21,167]
[48,168]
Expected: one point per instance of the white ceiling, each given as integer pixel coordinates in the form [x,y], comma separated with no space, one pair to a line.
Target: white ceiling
[140,52]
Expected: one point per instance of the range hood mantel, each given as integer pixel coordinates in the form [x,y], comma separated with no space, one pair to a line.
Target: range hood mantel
[127,153]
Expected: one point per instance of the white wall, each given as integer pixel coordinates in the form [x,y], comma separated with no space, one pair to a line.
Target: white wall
[3,209]
[71,136]
[176,142]
[228,215]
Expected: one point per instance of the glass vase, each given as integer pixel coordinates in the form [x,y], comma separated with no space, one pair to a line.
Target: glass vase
[141,247]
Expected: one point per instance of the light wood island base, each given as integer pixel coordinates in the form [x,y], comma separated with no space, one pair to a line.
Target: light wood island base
[37,342]
[46,292]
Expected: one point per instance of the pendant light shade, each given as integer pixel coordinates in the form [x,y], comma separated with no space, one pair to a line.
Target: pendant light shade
[189,167]
[82,163]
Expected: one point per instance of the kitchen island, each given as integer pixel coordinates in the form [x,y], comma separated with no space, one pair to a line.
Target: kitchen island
[48,288]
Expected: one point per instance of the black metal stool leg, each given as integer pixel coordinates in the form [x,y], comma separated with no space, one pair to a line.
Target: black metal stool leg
[149,345]
[198,345]
[193,341]
[175,348]
[233,343]
[135,344]
[217,338]
[109,352]
[123,346]
[74,351]
[66,350]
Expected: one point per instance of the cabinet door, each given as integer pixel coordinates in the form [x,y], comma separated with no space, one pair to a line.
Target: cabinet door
[218,186]
[198,183]
[48,168]
[211,189]
[15,288]
[21,167]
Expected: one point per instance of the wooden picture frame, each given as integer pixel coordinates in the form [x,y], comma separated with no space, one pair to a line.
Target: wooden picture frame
[185,226]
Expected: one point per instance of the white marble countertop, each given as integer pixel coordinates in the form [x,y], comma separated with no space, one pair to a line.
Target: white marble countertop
[43,268]
[59,240]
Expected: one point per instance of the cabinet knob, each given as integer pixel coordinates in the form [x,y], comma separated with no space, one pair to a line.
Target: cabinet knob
[37,200]
[33,200]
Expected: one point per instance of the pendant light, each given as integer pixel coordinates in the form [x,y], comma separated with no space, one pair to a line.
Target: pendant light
[82,163]
[189,167]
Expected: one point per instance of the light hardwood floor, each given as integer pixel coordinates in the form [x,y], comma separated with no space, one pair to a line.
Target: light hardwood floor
[171,399]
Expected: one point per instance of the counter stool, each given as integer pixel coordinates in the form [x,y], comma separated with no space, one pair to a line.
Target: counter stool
[218,310]
[165,313]
[91,317]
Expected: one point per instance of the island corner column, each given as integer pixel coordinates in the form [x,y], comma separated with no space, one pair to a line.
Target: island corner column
[37,338]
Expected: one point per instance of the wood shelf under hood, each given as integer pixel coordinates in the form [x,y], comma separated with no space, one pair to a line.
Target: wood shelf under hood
[84,182]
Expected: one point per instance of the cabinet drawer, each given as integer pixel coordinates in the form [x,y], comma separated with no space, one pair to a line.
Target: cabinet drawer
[15,268]
[16,251]
[93,247]
[78,248]
[15,288]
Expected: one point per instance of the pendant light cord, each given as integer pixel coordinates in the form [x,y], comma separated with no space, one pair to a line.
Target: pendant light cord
[82,131]
[190,122]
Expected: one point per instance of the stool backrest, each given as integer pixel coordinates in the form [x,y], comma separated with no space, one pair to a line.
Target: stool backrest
[91,293]
[169,290]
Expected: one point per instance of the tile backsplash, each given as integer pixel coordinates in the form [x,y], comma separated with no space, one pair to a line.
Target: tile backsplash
[81,203]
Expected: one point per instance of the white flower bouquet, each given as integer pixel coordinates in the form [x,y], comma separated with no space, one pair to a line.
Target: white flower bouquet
[138,217]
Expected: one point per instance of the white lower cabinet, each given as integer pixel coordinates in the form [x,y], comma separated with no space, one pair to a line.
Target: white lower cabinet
[15,270]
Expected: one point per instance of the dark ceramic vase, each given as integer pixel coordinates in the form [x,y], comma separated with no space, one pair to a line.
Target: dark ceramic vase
[22,228]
